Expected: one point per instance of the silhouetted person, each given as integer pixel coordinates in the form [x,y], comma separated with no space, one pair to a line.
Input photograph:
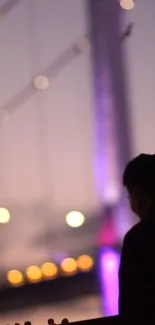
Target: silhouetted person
[137,267]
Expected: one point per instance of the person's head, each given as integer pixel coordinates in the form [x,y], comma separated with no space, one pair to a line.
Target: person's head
[139,180]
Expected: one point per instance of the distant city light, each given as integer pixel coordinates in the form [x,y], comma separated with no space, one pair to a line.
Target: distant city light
[4,215]
[15,278]
[75,219]
[34,274]
[41,82]
[69,266]
[85,263]
[127,4]
[49,270]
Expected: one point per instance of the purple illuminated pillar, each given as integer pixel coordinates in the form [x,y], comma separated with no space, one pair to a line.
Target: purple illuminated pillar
[112,127]
[112,123]
[109,266]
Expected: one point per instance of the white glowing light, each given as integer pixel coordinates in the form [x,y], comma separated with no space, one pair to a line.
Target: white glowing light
[41,82]
[111,194]
[75,219]
[83,44]
[127,4]
[4,215]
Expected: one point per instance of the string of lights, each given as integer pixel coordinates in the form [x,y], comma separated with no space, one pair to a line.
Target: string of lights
[50,270]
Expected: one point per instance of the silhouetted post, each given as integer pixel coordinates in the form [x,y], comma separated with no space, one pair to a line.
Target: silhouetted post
[50,321]
[64,321]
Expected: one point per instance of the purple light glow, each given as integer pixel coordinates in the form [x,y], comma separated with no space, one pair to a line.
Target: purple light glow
[109,266]
[60,257]
[108,235]
[106,164]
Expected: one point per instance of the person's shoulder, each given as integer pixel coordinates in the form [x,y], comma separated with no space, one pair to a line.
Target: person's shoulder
[131,243]
[133,233]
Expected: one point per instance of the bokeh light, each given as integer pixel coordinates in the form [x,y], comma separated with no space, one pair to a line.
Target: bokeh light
[41,82]
[49,270]
[69,266]
[127,4]
[85,263]
[15,278]
[4,215]
[34,274]
[75,219]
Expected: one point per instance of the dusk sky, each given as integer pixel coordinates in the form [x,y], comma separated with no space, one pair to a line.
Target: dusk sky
[140,51]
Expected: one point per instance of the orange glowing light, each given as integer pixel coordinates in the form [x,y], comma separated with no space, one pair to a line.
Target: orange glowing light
[49,270]
[85,263]
[15,278]
[34,274]
[69,266]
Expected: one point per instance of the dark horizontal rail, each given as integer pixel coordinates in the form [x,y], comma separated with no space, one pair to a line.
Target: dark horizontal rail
[113,320]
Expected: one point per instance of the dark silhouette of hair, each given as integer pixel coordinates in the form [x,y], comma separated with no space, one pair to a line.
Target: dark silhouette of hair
[140,172]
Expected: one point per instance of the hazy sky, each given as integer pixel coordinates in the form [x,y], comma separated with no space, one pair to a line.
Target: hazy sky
[140,50]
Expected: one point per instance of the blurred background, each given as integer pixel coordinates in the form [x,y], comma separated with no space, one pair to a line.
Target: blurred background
[77,102]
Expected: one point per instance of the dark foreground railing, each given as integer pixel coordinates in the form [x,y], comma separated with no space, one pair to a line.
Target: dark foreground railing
[113,320]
